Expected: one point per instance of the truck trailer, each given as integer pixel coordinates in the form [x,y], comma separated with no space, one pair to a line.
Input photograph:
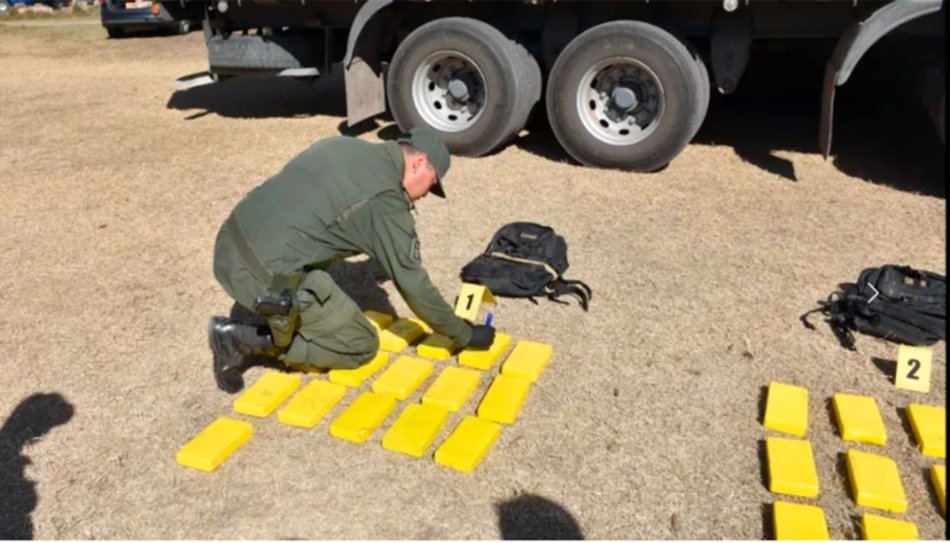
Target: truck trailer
[625,84]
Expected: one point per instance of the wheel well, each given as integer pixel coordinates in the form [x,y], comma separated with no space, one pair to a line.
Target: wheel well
[544,30]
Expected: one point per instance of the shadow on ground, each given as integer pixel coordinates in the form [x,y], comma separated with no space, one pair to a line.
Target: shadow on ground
[263,97]
[147,33]
[882,133]
[762,451]
[530,517]
[362,281]
[768,526]
[763,402]
[33,418]
[887,366]
[931,490]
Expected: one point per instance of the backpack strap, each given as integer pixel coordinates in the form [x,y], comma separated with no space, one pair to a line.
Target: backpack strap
[560,287]
[838,319]
[505,256]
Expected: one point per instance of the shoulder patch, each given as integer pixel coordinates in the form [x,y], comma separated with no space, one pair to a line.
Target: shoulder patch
[415,250]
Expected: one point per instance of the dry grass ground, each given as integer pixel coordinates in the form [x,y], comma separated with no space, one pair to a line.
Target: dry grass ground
[645,424]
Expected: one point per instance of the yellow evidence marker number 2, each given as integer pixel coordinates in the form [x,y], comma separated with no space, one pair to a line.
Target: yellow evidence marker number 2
[470,299]
[913,368]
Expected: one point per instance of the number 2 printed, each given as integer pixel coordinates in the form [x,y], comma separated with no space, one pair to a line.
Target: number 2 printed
[914,368]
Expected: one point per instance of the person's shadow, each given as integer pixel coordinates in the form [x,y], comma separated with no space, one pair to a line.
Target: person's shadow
[533,517]
[30,421]
[362,281]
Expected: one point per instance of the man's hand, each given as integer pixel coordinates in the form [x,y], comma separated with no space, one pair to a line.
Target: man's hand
[482,337]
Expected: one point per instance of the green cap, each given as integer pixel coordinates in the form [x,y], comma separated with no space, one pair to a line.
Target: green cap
[427,142]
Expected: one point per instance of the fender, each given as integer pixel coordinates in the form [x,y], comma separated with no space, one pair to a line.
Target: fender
[363,77]
[363,16]
[853,44]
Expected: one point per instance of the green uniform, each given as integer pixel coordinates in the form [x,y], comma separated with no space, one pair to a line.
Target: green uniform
[340,197]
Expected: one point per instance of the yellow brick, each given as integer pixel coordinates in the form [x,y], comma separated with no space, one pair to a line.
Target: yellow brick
[859,419]
[306,368]
[310,404]
[400,335]
[483,360]
[527,360]
[887,529]
[437,347]
[791,467]
[402,378]
[355,377]
[426,329]
[938,476]
[452,388]
[212,445]
[468,444]
[929,423]
[786,409]
[503,399]
[875,482]
[362,417]
[266,394]
[415,429]
[380,321]
[796,522]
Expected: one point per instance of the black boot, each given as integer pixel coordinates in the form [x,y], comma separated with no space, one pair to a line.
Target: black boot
[232,342]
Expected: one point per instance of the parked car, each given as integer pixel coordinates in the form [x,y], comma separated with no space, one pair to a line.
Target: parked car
[121,16]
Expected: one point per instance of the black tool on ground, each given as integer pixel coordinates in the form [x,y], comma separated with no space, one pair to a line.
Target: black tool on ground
[896,303]
[525,260]
[282,313]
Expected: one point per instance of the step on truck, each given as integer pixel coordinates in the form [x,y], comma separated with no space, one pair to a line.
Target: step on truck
[625,84]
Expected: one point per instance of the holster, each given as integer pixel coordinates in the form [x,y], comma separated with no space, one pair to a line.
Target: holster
[283,315]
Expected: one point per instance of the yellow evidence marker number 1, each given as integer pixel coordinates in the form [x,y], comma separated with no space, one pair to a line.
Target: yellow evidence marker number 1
[470,299]
[913,368]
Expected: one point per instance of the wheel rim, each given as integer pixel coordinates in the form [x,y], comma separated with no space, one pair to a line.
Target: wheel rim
[449,91]
[620,101]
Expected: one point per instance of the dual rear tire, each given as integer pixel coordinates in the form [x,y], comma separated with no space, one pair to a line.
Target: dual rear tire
[626,95]
[623,94]
[464,80]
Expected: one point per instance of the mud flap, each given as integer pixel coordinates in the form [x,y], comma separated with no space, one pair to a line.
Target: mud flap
[365,88]
[365,92]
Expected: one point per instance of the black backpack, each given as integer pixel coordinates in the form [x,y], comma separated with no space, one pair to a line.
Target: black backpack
[896,303]
[525,260]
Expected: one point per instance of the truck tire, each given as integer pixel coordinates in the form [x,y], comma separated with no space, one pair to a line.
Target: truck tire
[260,52]
[625,95]
[704,85]
[531,73]
[464,80]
